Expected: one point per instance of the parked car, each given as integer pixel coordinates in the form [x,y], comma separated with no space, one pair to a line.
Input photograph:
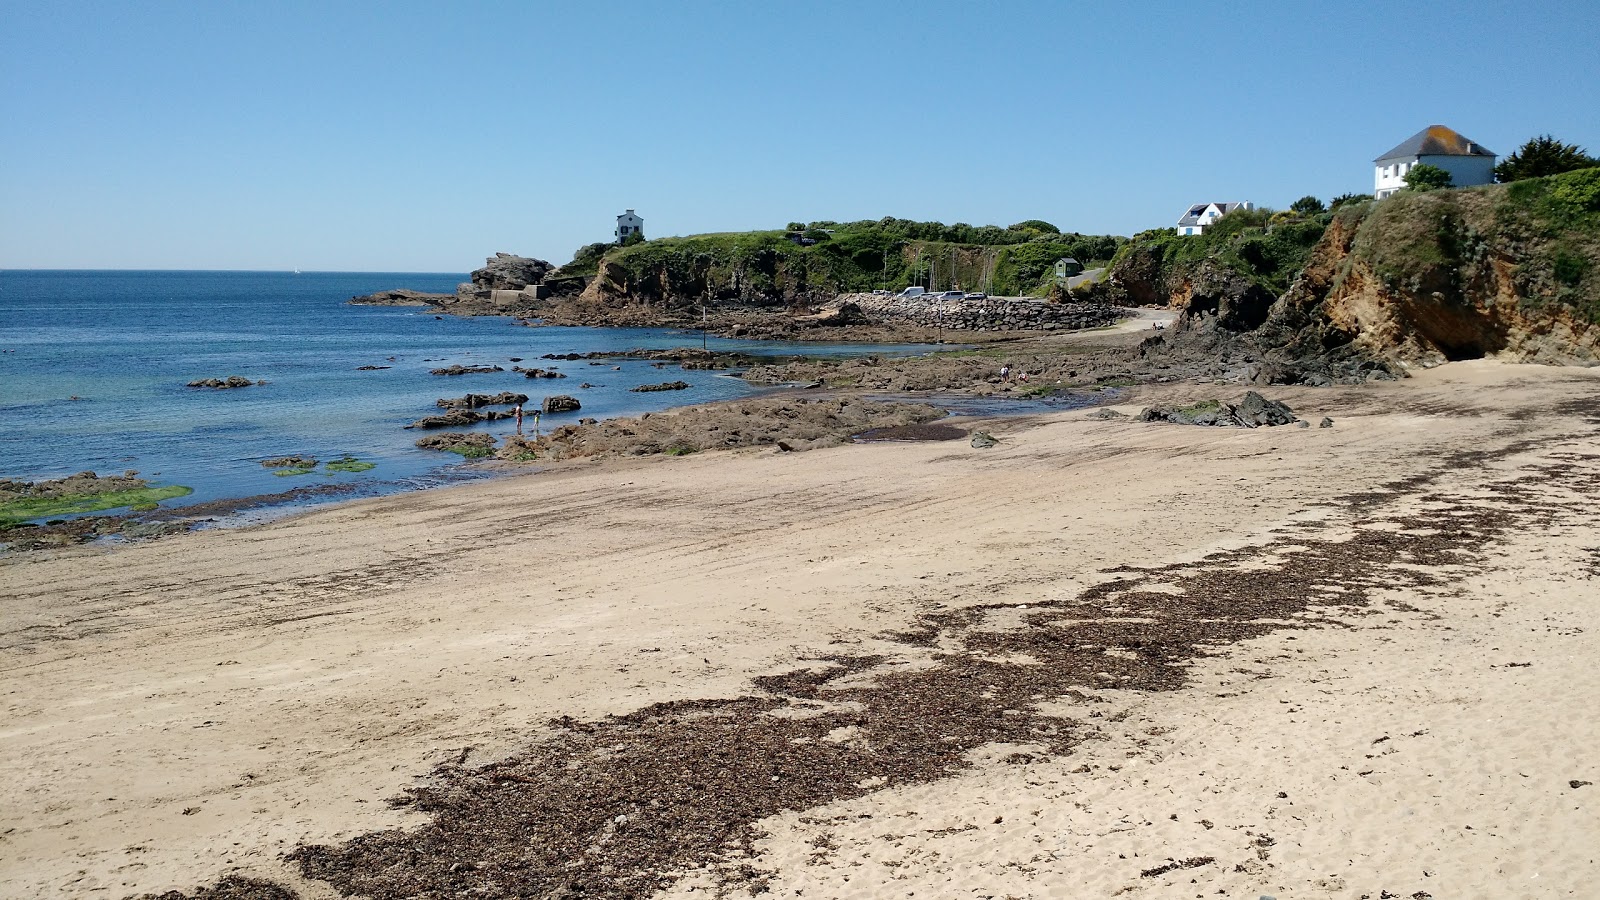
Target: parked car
[977,295]
[913,291]
[881,292]
[950,295]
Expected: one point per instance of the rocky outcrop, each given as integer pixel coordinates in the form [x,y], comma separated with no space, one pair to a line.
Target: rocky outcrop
[469,443]
[561,403]
[664,386]
[232,381]
[1511,271]
[473,401]
[460,418]
[1252,411]
[465,370]
[502,272]
[1428,278]
[538,373]
[290,462]
[402,297]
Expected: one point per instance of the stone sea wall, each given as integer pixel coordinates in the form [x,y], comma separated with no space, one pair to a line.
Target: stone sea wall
[990,314]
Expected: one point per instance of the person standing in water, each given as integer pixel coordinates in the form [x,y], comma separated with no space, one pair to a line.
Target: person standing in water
[518,412]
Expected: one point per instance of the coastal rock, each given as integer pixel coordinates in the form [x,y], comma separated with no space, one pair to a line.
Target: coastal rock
[457,441]
[538,373]
[837,314]
[664,386]
[290,462]
[1252,411]
[982,440]
[232,381]
[561,403]
[473,401]
[460,418]
[502,272]
[465,370]
[402,297]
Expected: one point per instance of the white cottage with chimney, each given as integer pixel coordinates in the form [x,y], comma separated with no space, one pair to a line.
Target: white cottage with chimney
[628,224]
[1468,163]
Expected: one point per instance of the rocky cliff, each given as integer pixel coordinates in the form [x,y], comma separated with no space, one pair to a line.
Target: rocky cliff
[1511,271]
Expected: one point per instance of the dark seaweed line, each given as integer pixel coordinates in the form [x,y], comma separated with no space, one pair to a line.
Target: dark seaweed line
[622,807]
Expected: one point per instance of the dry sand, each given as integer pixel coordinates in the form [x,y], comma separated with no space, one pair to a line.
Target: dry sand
[199,705]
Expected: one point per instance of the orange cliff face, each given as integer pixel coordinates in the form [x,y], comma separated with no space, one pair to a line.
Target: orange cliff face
[1427,278]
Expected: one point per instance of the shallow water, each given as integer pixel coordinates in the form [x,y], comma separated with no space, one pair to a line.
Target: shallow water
[126,343]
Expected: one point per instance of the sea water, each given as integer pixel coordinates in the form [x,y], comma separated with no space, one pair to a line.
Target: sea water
[93,368]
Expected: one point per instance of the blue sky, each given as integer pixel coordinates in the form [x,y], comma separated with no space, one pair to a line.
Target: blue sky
[425,136]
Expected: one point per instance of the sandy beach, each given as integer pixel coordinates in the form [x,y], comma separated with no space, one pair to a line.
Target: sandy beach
[1104,658]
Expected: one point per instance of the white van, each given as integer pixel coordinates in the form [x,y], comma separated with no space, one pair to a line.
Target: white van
[913,291]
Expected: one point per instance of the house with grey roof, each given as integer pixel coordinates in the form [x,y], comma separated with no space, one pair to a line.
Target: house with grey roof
[1202,215]
[1467,162]
[628,224]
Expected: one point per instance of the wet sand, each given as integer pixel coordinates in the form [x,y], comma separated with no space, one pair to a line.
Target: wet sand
[1101,658]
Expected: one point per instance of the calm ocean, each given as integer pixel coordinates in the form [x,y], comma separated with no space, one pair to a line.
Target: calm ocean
[125,344]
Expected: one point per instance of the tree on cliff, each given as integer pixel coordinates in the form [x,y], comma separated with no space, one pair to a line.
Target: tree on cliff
[1544,155]
[1038,225]
[1307,205]
[1424,177]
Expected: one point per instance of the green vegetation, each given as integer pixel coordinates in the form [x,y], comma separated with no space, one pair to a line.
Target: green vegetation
[1543,156]
[349,464]
[1307,205]
[1557,220]
[883,254]
[1204,406]
[292,470]
[1266,247]
[1039,226]
[471,451]
[1342,199]
[1423,177]
[23,509]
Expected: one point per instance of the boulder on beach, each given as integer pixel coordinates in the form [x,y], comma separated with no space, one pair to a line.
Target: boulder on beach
[1251,411]
[561,403]
[982,440]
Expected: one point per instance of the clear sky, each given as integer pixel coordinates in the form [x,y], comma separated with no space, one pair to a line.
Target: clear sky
[424,136]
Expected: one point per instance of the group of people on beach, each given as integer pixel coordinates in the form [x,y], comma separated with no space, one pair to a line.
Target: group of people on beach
[1005,374]
[517,411]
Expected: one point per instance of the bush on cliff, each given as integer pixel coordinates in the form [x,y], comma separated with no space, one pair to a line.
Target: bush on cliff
[1423,177]
[765,268]
[1249,243]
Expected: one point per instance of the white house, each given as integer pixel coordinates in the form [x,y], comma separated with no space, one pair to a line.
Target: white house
[1201,215]
[628,224]
[1468,163]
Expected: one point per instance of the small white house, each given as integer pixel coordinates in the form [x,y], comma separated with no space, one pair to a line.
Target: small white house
[1201,215]
[628,224]
[1468,163]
